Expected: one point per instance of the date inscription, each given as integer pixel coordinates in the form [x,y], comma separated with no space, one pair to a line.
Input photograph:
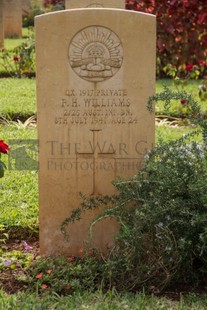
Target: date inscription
[95,107]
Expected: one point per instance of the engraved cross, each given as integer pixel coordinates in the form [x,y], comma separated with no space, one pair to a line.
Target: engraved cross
[95,153]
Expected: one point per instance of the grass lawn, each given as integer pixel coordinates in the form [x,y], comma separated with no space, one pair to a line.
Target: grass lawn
[100,301]
[11,43]
[17,98]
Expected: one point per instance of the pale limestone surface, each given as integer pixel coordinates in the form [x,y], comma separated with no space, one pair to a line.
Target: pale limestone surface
[73,4]
[13,18]
[94,78]
[1,24]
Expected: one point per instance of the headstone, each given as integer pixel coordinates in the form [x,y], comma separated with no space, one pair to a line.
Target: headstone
[1,24]
[95,73]
[26,7]
[13,18]
[73,4]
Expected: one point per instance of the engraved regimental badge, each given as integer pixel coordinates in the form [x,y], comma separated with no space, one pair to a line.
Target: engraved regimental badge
[95,53]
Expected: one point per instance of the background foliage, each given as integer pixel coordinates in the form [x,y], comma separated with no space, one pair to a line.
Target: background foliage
[181,36]
[48,3]
[181,31]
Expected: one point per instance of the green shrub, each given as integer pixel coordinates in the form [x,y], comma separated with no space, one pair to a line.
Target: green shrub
[28,21]
[64,275]
[20,61]
[53,3]
[162,216]
[181,34]
[161,212]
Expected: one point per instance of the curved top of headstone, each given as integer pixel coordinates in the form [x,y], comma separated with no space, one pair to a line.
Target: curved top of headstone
[75,4]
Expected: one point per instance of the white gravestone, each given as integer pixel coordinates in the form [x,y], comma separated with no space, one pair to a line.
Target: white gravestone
[95,73]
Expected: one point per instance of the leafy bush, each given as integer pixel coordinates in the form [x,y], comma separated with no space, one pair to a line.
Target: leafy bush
[28,21]
[20,62]
[189,71]
[54,4]
[161,212]
[49,6]
[181,31]
[162,216]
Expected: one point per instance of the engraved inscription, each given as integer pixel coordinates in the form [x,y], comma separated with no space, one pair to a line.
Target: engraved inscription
[95,53]
[96,107]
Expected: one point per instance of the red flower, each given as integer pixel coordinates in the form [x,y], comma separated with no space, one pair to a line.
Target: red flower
[189,67]
[202,63]
[44,286]
[183,101]
[39,275]
[3,147]
[49,271]
[16,58]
